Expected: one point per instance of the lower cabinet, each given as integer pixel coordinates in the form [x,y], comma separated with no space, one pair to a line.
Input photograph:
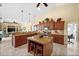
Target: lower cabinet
[58,39]
[19,40]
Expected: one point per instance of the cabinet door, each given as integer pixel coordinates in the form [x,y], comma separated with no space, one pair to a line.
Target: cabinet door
[61,39]
[58,39]
[20,40]
[52,25]
[59,25]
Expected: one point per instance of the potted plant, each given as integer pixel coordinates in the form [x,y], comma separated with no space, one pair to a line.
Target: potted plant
[59,19]
[46,19]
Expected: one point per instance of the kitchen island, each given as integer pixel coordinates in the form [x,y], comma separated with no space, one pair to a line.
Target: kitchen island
[20,38]
[40,46]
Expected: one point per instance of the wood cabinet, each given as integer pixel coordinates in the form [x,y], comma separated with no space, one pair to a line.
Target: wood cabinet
[49,24]
[19,39]
[58,39]
[52,25]
[39,47]
[59,25]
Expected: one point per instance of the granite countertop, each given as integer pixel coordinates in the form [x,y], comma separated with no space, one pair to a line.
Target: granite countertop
[26,33]
[43,40]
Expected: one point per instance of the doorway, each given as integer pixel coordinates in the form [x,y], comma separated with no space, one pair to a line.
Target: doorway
[72,33]
[72,48]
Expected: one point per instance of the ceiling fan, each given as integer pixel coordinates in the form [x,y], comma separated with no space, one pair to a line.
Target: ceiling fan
[43,3]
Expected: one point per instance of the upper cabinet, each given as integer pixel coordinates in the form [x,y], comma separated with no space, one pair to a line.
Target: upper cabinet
[52,25]
[59,25]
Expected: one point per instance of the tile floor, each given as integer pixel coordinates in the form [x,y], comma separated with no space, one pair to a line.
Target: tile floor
[6,49]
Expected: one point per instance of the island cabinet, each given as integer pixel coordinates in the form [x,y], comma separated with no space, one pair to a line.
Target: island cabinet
[19,39]
[40,46]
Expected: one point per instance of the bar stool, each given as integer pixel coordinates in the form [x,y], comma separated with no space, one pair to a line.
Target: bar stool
[39,50]
[32,48]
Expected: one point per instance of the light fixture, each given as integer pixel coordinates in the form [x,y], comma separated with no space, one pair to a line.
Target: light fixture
[22,15]
[39,7]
